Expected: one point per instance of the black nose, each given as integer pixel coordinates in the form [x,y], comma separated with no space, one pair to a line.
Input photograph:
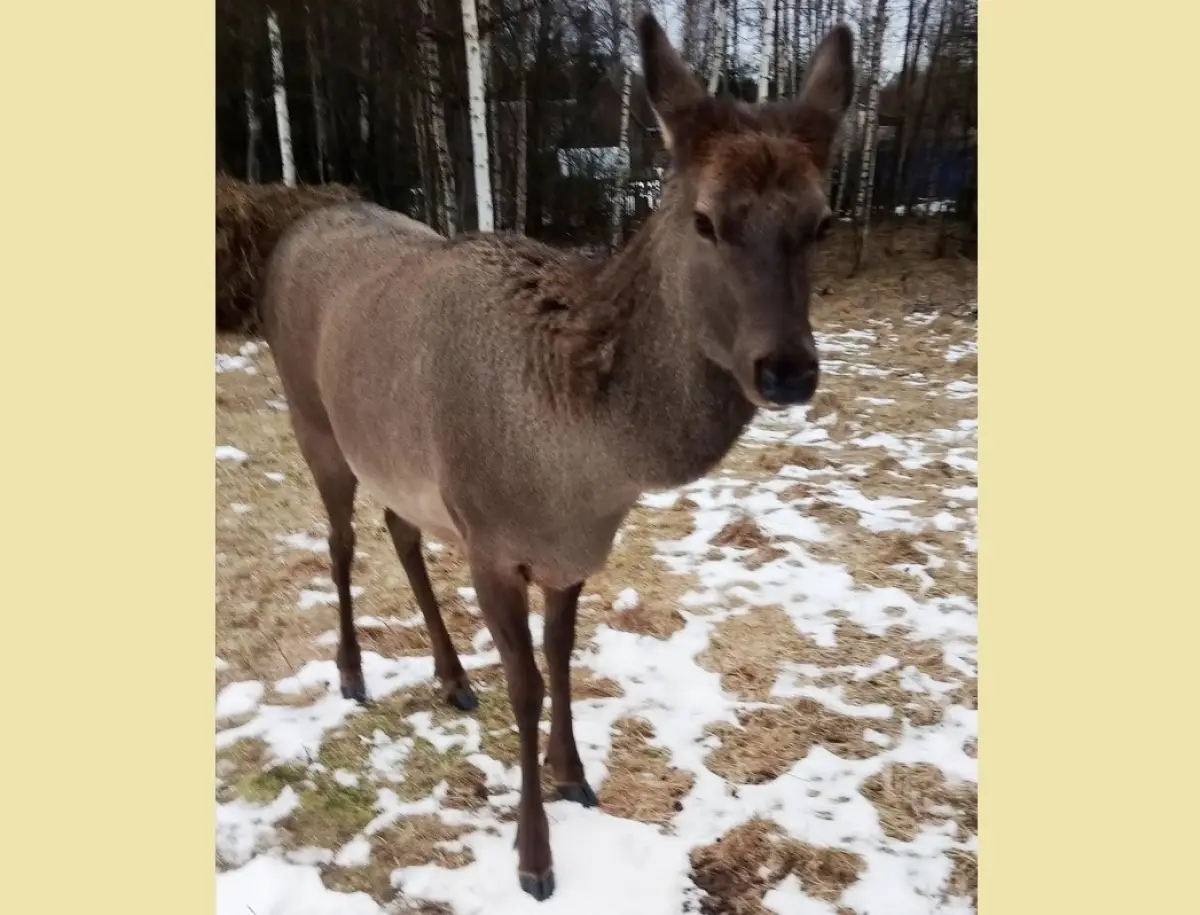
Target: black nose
[784,382]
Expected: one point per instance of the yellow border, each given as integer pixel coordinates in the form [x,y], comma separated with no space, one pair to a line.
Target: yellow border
[108,517]
[108,382]
[1088,515]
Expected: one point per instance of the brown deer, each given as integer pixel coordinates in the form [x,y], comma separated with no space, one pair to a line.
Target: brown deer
[516,400]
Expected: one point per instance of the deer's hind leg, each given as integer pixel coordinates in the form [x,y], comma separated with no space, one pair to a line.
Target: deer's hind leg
[456,688]
[337,485]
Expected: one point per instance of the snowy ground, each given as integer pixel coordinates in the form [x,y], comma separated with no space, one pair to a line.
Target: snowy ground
[775,693]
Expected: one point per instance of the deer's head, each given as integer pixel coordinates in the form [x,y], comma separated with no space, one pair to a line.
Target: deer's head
[743,208]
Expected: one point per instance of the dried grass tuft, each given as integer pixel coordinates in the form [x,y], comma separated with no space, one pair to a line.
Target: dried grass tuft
[250,220]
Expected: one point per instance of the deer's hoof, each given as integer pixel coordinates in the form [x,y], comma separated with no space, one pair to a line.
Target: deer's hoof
[580,793]
[464,699]
[540,888]
[355,690]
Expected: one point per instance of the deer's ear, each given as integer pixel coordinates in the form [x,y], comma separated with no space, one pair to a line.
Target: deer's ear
[829,82]
[673,89]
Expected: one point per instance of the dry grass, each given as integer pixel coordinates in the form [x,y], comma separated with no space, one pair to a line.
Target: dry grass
[426,768]
[771,459]
[906,797]
[250,220]
[410,842]
[641,784]
[832,514]
[742,534]
[330,813]
[737,870]
[747,651]
[964,876]
[771,740]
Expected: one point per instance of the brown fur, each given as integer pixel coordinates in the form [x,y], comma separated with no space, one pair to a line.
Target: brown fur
[517,400]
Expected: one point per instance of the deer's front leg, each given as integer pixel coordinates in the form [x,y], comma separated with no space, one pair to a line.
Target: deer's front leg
[503,600]
[562,755]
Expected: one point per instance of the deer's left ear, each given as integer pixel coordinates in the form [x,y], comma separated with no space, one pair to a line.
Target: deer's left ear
[829,83]
[674,91]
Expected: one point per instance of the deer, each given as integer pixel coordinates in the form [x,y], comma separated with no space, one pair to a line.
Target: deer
[516,400]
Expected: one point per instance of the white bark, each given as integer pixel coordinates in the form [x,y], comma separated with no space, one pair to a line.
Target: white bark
[447,207]
[789,17]
[849,131]
[766,50]
[863,209]
[487,26]
[477,107]
[282,120]
[622,176]
[716,51]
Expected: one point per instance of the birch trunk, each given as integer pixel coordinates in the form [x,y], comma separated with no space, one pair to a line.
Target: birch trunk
[318,98]
[622,178]
[282,120]
[863,209]
[716,61]
[850,130]
[765,48]
[785,60]
[735,45]
[477,107]
[447,209]
[795,82]
[487,23]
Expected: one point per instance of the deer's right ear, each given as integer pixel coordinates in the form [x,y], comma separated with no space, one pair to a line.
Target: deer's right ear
[672,87]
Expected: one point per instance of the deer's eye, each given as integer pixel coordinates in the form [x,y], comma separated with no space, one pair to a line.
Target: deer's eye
[823,228]
[704,226]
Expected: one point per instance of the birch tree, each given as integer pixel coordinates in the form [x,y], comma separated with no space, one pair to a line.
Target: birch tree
[849,130]
[624,18]
[447,208]
[716,50]
[765,49]
[282,120]
[488,23]
[477,107]
[863,209]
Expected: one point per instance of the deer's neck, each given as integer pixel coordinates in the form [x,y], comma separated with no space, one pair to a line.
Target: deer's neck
[675,412]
